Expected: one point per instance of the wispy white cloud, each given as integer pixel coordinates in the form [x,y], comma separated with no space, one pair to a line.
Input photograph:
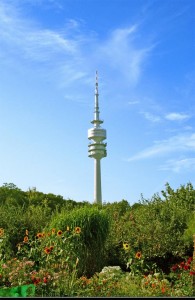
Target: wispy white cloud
[133,102]
[176,116]
[26,41]
[169,116]
[173,144]
[33,42]
[151,117]
[179,165]
[70,47]
[122,53]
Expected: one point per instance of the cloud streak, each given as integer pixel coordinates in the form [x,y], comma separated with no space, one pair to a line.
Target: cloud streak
[121,52]
[164,147]
[151,117]
[73,50]
[169,116]
[35,43]
[176,116]
[179,165]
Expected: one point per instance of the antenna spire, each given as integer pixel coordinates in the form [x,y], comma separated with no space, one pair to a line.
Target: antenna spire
[96,83]
[96,112]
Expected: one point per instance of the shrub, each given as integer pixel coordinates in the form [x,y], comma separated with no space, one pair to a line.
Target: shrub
[90,249]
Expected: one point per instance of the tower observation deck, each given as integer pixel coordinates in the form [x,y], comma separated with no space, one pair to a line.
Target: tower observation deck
[97,149]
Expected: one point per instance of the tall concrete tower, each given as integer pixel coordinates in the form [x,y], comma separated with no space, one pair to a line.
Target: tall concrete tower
[97,149]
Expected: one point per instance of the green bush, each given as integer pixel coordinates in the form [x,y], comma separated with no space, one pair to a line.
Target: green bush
[155,227]
[15,220]
[119,233]
[189,232]
[94,225]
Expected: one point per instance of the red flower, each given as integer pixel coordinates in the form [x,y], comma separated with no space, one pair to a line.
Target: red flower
[189,260]
[182,264]
[174,268]
[45,280]
[192,273]
[186,267]
[35,280]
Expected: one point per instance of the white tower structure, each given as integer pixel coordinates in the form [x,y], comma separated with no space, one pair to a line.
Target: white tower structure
[97,149]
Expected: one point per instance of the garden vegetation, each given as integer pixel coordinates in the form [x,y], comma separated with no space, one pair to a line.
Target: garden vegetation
[60,247]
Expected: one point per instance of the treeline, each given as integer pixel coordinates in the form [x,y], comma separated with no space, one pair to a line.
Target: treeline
[10,194]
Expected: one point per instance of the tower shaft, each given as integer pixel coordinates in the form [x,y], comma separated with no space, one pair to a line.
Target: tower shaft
[97,182]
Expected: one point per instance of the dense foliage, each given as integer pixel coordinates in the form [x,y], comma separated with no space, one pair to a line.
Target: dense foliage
[149,236]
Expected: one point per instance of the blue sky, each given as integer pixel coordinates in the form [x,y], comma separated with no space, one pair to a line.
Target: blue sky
[144,53]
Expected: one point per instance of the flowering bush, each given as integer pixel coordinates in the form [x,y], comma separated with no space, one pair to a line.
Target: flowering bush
[15,272]
[97,286]
[155,285]
[46,261]
[50,247]
[5,247]
[181,278]
[177,284]
[136,262]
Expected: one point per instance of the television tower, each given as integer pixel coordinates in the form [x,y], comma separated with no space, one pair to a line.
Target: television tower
[97,149]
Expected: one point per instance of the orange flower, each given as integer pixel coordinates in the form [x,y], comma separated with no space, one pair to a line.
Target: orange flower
[138,255]
[26,239]
[51,248]
[59,233]
[1,231]
[47,250]
[53,231]
[83,278]
[77,230]
[39,235]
